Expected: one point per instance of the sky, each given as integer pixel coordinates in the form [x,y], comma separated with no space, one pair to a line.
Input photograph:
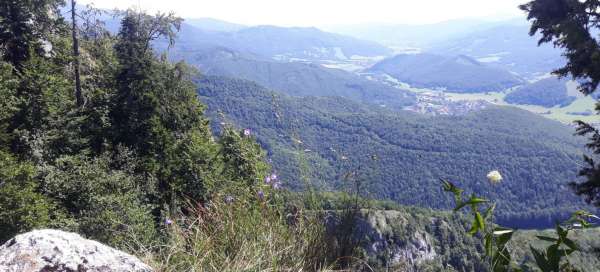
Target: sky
[325,12]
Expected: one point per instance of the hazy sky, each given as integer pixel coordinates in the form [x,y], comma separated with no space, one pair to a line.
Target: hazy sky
[325,12]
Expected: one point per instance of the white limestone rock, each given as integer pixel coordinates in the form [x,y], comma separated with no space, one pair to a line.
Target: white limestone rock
[59,251]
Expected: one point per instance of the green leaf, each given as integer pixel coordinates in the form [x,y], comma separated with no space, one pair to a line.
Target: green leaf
[562,233]
[540,260]
[459,205]
[475,200]
[504,236]
[501,231]
[478,224]
[501,260]
[572,245]
[488,213]
[479,220]
[473,229]
[565,252]
[553,256]
[450,187]
[489,251]
[546,238]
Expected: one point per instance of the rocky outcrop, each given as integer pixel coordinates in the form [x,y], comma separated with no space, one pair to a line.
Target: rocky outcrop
[386,235]
[388,238]
[59,251]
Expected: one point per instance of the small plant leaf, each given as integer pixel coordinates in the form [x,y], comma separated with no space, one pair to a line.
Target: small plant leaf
[475,200]
[479,220]
[504,236]
[450,187]
[502,231]
[540,260]
[489,251]
[571,244]
[553,256]
[459,205]
[546,238]
[477,224]
[488,213]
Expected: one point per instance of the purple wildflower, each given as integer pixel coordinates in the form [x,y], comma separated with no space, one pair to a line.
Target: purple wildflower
[273,176]
[228,199]
[261,195]
[268,180]
[247,132]
[168,222]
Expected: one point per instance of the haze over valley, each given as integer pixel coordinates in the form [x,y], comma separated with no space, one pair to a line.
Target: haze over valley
[348,97]
[481,63]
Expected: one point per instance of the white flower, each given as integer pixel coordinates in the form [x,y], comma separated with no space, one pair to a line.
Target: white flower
[494,176]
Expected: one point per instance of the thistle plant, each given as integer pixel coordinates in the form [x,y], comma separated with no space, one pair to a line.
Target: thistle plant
[495,238]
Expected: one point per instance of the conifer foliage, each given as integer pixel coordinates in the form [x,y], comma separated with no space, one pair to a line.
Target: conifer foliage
[571,25]
[114,167]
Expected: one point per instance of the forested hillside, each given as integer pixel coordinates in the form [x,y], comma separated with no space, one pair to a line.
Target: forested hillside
[547,92]
[296,79]
[507,46]
[295,43]
[334,136]
[101,136]
[456,73]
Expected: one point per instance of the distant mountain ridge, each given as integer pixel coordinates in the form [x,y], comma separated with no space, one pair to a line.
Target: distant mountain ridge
[507,46]
[423,35]
[282,43]
[210,24]
[455,73]
[296,79]
[504,44]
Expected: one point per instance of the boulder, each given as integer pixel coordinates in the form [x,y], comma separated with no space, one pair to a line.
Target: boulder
[58,251]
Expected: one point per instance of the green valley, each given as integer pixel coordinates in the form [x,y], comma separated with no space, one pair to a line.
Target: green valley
[334,136]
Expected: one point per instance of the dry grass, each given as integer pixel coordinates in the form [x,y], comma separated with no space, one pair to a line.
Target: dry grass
[244,235]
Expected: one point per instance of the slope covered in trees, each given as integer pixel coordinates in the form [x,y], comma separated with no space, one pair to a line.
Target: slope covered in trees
[132,152]
[293,43]
[547,92]
[457,73]
[297,79]
[320,139]
[572,27]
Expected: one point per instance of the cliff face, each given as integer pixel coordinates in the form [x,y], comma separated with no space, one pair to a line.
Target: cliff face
[389,239]
[59,251]
[388,236]
[409,239]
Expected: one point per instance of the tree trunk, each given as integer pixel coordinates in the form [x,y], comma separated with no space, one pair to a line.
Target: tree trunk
[78,93]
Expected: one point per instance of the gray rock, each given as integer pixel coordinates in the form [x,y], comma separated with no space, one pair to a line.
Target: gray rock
[384,236]
[58,251]
[383,239]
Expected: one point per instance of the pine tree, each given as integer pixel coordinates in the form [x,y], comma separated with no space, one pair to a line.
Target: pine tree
[571,25]
[156,111]
[25,28]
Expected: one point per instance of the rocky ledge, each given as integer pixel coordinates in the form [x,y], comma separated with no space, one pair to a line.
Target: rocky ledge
[59,251]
